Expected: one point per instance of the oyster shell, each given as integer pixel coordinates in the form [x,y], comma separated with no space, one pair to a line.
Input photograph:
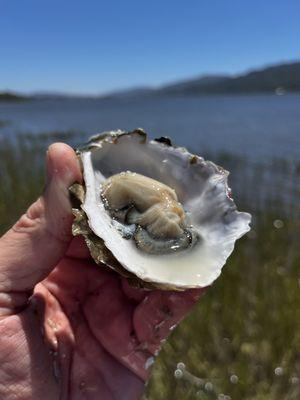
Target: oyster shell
[155,213]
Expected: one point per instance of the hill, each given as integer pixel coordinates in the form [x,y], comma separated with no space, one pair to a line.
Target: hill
[193,85]
[277,78]
[284,77]
[8,96]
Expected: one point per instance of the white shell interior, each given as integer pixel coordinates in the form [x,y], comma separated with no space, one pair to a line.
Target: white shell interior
[201,188]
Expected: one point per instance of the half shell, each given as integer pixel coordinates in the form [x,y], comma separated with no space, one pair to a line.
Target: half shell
[201,187]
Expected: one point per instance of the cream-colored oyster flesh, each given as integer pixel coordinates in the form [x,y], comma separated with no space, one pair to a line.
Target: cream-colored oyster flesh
[155,204]
[196,189]
[159,220]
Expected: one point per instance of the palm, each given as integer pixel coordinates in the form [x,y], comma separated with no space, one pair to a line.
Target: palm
[100,333]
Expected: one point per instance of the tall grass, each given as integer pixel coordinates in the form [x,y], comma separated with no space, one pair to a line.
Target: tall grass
[243,337]
[22,171]
[242,340]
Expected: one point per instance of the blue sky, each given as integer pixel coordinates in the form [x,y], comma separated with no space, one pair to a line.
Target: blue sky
[98,46]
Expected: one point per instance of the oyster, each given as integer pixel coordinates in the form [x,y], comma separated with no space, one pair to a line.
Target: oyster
[152,207]
[155,213]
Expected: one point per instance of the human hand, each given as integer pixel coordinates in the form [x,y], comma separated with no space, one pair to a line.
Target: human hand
[70,329]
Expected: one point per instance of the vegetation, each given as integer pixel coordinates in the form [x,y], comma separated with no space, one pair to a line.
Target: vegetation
[242,339]
[279,78]
[8,96]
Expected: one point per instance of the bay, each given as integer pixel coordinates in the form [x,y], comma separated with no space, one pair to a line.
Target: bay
[256,126]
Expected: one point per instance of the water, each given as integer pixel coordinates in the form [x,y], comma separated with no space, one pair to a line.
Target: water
[258,126]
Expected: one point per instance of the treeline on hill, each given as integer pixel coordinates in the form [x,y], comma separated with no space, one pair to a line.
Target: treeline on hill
[8,96]
[282,77]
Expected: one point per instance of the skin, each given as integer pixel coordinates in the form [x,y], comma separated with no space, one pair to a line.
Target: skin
[70,329]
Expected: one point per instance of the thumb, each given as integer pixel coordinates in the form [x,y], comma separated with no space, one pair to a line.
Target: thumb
[35,244]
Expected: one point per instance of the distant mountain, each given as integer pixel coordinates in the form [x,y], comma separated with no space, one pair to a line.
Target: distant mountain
[277,78]
[42,95]
[8,96]
[135,92]
[280,78]
[198,84]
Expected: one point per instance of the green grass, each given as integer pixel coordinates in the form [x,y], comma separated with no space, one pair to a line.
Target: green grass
[248,324]
[242,340]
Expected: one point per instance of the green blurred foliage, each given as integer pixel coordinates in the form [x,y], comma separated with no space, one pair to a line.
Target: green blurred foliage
[243,336]
[242,339]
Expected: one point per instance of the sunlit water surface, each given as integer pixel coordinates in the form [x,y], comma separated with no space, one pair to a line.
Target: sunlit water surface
[259,126]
